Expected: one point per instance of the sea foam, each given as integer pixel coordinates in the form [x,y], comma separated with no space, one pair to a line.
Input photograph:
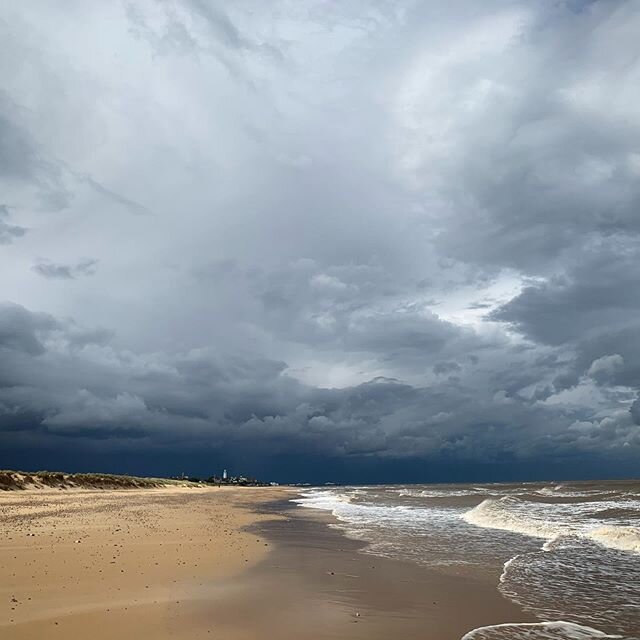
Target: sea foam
[556,630]
[550,521]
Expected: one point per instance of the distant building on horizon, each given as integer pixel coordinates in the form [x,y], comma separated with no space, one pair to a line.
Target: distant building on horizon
[224,474]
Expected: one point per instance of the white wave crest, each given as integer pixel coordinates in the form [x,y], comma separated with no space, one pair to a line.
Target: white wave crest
[623,538]
[324,500]
[550,522]
[441,493]
[557,630]
[495,513]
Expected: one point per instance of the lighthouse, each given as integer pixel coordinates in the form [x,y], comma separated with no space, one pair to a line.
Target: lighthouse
[224,474]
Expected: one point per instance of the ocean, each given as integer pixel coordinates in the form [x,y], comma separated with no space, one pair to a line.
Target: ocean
[568,553]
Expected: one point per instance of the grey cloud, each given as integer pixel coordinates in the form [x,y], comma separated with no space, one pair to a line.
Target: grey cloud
[543,160]
[129,205]
[227,33]
[400,329]
[352,308]
[65,271]
[624,370]
[18,157]
[598,289]
[8,232]
[23,163]
[604,368]
[20,329]
[100,393]
[591,309]
[446,367]
[81,337]
[634,410]
[218,22]
[566,380]
[176,37]
[200,27]
[480,305]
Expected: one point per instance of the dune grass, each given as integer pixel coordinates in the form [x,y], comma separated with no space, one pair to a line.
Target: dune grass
[17,480]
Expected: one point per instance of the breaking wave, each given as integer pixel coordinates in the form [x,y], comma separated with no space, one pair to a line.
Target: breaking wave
[558,630]
[551,520]
[589,564]
[577,568]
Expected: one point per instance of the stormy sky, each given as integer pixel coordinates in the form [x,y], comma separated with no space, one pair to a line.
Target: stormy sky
[316,240]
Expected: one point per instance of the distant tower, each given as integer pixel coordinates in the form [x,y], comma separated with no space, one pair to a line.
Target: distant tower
[224,474]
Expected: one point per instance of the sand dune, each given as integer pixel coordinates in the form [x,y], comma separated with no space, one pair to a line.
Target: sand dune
[20,480]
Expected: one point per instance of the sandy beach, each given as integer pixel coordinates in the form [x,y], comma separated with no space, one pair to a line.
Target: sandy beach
[213,562]
[124,563]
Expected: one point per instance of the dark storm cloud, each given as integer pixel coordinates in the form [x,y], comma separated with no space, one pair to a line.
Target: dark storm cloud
[380,230]
[355,309]
[54,387]
[598,289]
[19,329]
[593,307]
[635,411]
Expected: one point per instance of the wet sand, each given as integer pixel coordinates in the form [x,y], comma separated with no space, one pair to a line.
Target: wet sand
[215,563]
[316,584]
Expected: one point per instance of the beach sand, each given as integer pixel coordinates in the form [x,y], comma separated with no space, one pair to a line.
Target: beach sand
[120,564]
[214,563]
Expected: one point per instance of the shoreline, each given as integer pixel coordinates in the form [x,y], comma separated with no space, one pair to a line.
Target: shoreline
[233,563]
[318,568]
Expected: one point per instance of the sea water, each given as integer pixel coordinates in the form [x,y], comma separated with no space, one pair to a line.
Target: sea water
[569,553]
